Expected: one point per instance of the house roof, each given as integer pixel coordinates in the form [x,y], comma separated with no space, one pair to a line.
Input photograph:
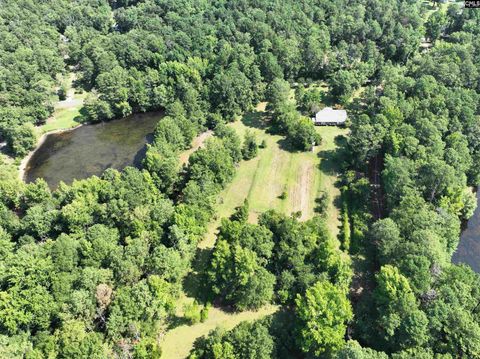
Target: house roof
[328,114]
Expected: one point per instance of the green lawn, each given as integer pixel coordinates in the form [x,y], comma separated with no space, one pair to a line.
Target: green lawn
[67,113]
[302,175]
[276,169]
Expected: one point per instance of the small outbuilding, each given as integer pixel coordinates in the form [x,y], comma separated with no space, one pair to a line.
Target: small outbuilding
[330,117]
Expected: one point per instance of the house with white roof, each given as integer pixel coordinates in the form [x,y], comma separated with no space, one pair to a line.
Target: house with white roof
[330,117]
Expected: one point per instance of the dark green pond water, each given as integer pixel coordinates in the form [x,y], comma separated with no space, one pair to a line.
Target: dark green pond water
[91,149]
[468,250]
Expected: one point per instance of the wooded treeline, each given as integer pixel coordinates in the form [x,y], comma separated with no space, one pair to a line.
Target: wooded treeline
[216,57]
[419,130]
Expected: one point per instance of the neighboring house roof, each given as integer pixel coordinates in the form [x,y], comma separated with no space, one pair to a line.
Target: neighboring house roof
[329,115]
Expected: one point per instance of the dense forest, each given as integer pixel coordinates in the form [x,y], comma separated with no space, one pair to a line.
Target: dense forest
[94,269]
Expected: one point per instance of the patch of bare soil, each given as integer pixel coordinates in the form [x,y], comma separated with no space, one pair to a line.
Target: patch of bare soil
[302,191]
[196,144]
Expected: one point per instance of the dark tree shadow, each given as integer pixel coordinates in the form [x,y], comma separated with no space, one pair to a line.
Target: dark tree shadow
[255,119]
[140,155]
[333,161]
[176,321]
[282,327]
[328,99]
[286,145]
[195,283]
[83,117]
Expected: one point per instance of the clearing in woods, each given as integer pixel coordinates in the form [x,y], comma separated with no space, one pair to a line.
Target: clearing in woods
[276,169]
[67,113]
[196,144]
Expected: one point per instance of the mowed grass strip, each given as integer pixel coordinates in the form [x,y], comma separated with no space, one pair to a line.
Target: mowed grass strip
[178,342]
[302,175]
[276,169]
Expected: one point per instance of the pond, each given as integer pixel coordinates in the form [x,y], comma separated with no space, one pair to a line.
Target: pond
[91,149]
[468,250]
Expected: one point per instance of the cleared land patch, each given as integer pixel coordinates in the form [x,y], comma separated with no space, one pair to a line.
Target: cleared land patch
[302,175]
[67,113]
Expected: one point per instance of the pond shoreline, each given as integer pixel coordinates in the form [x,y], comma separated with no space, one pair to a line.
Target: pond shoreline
[23,164]
[89,148]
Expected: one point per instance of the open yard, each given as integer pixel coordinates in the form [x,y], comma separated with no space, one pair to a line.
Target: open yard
[67,112]
[276,169]
[301,175]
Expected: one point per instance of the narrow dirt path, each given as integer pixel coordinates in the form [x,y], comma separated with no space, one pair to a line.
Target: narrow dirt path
[196,144]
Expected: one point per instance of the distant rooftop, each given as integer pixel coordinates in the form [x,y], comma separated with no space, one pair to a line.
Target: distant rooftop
[330,116]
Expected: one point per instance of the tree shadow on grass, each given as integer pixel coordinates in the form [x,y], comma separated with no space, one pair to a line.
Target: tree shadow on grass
[286,145]
[255,119]
[195,283]
[176,321]
[333,161]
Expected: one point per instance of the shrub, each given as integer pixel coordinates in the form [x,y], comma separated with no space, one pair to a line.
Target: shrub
[192,312]
[204,312]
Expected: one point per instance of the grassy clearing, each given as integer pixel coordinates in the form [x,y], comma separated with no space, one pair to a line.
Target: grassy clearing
[276,169]
[179,341]
[302,175]
[67,113]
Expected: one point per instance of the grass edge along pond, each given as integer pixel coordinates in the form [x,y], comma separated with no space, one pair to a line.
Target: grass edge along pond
[302,175]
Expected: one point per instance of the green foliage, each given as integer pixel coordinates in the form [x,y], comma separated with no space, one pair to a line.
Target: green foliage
[212,162]
[345,230]
[353,350]
[238,276]
[278,94]
[322,203]
[400,322]
[204,312]
[436,25]
[74,341]
[322,314]
[250,146]
[62,93]
[309,101]
[247,340]
[192,312]
[303,134]
[147,348]
[241,212]
[135,308]
[21,139]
